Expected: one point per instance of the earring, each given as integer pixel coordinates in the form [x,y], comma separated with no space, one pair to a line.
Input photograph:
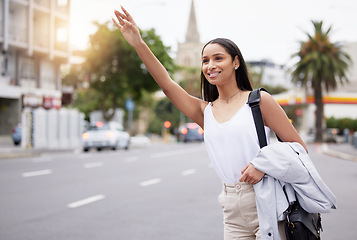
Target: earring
[235,67]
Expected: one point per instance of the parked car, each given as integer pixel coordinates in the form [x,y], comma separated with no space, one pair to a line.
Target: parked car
[191,132]
[334,135]
[105,135]
[329,135]
[140,141]
[16,134]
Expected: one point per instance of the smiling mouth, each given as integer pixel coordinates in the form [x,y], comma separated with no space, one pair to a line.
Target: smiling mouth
[215,74]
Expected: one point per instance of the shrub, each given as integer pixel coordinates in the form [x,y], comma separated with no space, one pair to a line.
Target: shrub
[342,123]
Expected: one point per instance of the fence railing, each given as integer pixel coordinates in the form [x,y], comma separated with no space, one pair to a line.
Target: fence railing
[52,129]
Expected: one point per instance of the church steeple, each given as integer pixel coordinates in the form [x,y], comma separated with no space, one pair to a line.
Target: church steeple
[189,52]
[192,34]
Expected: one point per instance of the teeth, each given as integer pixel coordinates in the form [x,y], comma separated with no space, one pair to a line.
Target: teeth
[213,74]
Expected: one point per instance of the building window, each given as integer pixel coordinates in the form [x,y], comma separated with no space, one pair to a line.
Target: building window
[2,65]
[62,3]
[61,35]
[187,61]
[18,14]
[48,75]
[9,64]
[27,68]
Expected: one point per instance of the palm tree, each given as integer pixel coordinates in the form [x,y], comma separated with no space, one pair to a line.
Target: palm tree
[322,63]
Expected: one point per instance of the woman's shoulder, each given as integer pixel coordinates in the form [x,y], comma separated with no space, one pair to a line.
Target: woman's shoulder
[267,103]
[265,97]
[204,105]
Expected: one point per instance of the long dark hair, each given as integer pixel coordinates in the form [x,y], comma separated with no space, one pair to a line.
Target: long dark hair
[209,91]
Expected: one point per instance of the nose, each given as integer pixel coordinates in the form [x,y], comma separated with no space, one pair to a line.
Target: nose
[211,65]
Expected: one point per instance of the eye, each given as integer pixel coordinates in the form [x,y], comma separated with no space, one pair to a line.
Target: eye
[204,60]
[218,58]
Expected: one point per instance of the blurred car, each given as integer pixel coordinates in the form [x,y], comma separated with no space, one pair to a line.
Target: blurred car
[140,141]
[330,135]
[105,135]
[191,132]
[334,135]
[16,134]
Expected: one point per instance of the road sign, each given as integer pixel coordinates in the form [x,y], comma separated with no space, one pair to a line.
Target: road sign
[129,104]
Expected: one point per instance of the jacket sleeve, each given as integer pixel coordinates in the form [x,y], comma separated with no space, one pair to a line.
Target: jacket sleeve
[281,162]
[289,163]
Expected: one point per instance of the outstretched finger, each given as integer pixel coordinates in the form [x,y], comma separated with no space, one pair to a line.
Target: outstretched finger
[119,16]
[128,16]
[116,23]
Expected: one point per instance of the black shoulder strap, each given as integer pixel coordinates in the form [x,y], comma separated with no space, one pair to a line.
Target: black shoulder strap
[253,101]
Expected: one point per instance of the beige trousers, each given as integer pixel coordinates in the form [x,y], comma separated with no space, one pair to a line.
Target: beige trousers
[240,213]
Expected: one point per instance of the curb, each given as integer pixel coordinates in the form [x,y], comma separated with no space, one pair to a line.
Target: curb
[33,153]
[325,150]
[18,155]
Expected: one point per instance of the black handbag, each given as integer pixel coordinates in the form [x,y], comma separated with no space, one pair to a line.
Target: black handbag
[300,225]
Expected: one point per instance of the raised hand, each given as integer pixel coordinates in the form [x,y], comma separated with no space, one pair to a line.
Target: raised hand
[127,27]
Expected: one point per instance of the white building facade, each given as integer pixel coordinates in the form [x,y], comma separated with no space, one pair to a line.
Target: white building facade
[34,42]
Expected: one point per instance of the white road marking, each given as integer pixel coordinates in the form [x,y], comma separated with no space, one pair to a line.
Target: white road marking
[42,159]
[93,165]
[83,156]
[37,173]
[86,201]
[131,159]
[175,152]
[150,182]
[188,172]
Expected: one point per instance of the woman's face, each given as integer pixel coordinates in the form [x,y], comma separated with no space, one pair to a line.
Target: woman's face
[217,64]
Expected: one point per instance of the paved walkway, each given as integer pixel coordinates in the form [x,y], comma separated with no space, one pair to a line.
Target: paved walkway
[340,150]
[9,150]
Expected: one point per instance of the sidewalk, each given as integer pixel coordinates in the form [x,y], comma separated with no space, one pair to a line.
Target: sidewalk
[8,150]
[340,150]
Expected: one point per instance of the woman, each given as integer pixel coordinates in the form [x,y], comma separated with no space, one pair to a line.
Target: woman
[230,135]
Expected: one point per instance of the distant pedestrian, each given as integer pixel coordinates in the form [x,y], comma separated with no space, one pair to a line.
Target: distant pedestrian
[229,129]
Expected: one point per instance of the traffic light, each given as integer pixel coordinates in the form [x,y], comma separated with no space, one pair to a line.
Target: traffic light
[167,124]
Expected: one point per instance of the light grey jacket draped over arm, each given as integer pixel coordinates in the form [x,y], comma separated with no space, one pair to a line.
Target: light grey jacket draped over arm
[287,164]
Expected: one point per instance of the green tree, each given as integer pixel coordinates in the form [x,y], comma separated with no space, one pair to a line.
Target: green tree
[322,63]
[191,80]
[116,71]
[72,77]
[86,100]
[164,110]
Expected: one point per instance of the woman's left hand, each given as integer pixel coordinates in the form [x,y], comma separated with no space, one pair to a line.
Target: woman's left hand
[251,175]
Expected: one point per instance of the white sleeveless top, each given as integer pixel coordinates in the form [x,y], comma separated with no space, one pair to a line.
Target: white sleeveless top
[233,144]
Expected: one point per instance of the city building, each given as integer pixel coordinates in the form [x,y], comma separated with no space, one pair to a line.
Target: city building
[34,42]
[272,74]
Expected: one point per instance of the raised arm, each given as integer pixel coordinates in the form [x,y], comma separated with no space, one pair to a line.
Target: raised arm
[191,106]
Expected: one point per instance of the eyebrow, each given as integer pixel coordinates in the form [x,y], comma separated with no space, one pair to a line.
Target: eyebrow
[216,54]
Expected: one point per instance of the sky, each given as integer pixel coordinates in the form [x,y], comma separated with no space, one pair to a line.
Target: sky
[262,29]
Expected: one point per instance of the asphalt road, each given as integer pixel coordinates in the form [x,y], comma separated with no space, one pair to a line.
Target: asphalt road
[165,191]
[160,192]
